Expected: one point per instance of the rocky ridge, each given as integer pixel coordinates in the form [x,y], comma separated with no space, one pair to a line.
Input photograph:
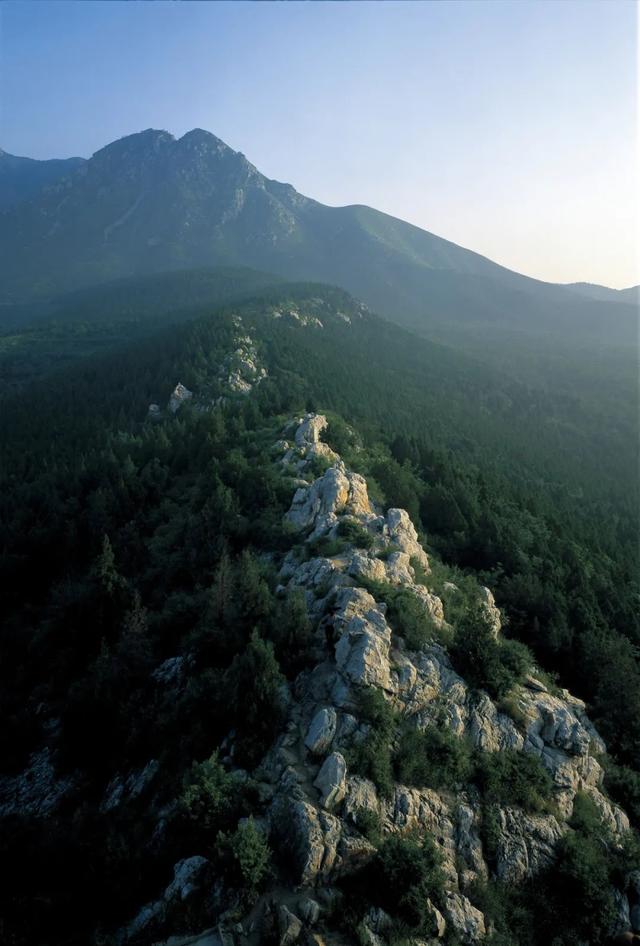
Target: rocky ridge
[238,374]
[313,805]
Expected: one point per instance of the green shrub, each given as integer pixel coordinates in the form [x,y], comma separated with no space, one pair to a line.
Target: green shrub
[355,534]
[372,757]
[250,853]
[510,705]
[406,613]
[419,571]
[486,663]
[256,672]
[435,758]
[404,876]
[325,547]
[369,824]
[623,784]
[208,794]
[513,778]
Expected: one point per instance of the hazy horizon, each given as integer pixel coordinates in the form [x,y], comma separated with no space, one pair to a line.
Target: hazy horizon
[506,128]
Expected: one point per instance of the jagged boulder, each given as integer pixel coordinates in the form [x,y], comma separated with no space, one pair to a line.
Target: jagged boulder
[365,565]
[321,731]
[525,843]
[132,786]
[361,796]
[36,791]
[309,835]
[289,926]
[364,639]
[491,612]
[309,429]
[179,396]
[331,780]
[400,531]
[465,919]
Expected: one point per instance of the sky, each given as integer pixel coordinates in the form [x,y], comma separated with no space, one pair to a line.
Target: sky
[507,126]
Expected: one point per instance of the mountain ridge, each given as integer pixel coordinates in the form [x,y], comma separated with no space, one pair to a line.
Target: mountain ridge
[150,202]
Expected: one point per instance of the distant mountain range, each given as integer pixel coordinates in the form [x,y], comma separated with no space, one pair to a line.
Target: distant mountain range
[149,203]
[25,178]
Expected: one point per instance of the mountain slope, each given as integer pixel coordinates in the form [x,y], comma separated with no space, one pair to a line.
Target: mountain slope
[149,203]
[24,178]
[159,566]
[34,343]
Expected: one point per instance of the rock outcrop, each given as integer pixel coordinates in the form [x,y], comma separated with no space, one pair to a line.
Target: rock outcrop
[364,650]
[179,396]
[319,814]
[241,370]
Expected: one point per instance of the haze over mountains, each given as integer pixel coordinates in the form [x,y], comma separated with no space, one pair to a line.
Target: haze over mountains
[24,178]
[291,592]
[150,203]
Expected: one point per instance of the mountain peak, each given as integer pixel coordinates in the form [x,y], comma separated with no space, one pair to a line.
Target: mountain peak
[200,136]
[150,138]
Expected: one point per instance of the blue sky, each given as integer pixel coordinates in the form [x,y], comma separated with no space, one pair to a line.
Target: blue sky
[507,126]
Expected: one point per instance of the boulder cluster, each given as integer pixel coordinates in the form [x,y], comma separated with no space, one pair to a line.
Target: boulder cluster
[241,369]
[317,803]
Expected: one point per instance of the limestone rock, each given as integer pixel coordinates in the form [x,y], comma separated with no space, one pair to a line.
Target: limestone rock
[361,795]
[311,836]
[36,791]
[309,910]
[491,730]
[364,565]
[401,532]
[289,925]
[187,875]
[336,492]
[331,780]
[466,920]
[362,650]
[122,789]
[491,612]
[309,429]
[525,845]
[179,396]
[322,730]
[439,922]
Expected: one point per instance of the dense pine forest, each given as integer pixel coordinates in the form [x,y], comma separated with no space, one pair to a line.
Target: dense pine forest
[131,540]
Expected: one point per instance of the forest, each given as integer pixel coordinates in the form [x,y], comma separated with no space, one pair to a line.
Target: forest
[126,543]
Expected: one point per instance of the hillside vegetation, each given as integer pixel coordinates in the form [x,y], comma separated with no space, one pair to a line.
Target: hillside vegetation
[131,541]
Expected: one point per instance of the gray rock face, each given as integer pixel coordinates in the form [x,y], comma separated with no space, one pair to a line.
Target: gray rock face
[331,780]
[188,876]
[321,817]
[337,491]
[322,730]
[362,650]
[135,784]
[309,430]
[465,919]
[526,844]
[402,534]
[491,611]
[179,396]
[36,791]
[313,836]
[289,925]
